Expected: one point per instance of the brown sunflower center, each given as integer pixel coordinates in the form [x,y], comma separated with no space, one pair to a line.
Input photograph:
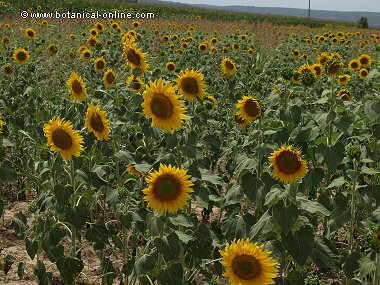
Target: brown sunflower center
[364,73]
[76,86]
[229,65]
[97,123]
[21,56]
[317,70]
[166,188]
[53,49]
[190,85]
[62,139]
[133,57]
[161,106]
[110,77]
[364,60]
[252,108]
[100,64]
[136,85]
[30,33]
[246,267]
[354,64]
[334,68]
[8,70]
[343,79]
[202,47]
[288,162]
[171,67]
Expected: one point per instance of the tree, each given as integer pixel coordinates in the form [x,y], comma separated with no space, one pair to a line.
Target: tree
[363,23]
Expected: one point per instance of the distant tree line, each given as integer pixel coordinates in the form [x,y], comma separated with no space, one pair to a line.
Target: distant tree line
[363,23]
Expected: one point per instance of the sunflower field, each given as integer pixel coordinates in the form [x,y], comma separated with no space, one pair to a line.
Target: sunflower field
[183,151]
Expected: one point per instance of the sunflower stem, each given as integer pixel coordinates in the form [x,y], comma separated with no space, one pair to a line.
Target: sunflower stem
[73,230]
[353,207]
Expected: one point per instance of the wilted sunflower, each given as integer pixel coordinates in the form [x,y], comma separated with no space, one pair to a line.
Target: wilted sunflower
[99,64]
[163,106]
[248,108]
[191,85]
[30,33]
[169,189]
[170,66]
[248,263]
[76,87]
[365,60]
[344,94]
[363,73]
[109,78]
[344,79]
[20,55]
[96,122]
[354,65]
[61,137]
[86,54]
[288,165]
[135,83]
[8,69]
[136,58]
[52,49]
[228,67]
[317,69]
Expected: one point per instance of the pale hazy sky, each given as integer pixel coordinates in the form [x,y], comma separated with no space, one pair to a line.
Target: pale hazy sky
[338,5]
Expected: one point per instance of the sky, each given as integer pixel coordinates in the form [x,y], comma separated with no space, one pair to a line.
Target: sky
[337,5]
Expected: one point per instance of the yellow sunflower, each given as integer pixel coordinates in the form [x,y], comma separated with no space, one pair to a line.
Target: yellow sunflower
[211,102]
[354,65]
[20,55]
[96,122]
[288,165]
[30,33]
[202,47]
[363,73]
[296,52]
[242,123]
[163,106]
[344,94]
[317,69]
[86,54]
[344,79]
[61,137]
[8,69]
[228,67]
[133,171]
[169,189]
[2,123]
[191,85]
[109,78]
[99,64]
[77,87]
[136,58]
[334,67]
[170,66]
[6,40]
[323,57]
[52,49]
[248,263]
[92,41]
[365,60]
[248,108]
[135,83]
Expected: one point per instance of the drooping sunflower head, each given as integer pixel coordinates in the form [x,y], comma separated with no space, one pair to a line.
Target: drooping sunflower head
[52,49]
[365,60]
[77,87]
[168,190]
[20,55]
[30,33]
[354,64]
[135,83]
[248,263]
[344,79]
[97,123]
[99,64]
[163,106]
[191,85]
[288,165]
[363,73]
[250,51]
[109,78]
[136,58]
[8,69]
[228,67]
[248,108]
[344,95]
[63,138]
[170,66]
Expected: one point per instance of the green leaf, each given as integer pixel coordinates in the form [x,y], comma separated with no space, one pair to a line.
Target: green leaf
[181,220]
[7,175]
[337,182]
[145,263]
[69,268]
[323,255]
[369,171]
[208,176]
[351,264]
[171,275]
[312,207]
[299,244]
[274,195]
[185,238]
[124,155]
[31,247]
[143,167]
[233,196]
[313,178]
[7,143]
[100,172]
[285,216]
[333,156]
[265,220]
[21,270]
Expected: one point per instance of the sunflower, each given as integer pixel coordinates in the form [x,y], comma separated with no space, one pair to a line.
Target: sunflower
[20,55]
[94,32]
[133,171]
[344,79]
[354,65]
[248,108]
[191,85]
[288,165]
[234,46]
[86,54]
[30,33]
[92,41]
[96,122]
[2,123]
[52,49]
[163,106]
[213,40]
[211,102]
[213,50]
[365,60]
[136,58]
[248,263]
[109,78]
[170,66]
[76,87]
[202,47]
[228,67]
[99,64]
[5,40]
[344,94]
[363,73]
[305,68]
[323,57]
[8,69]
[72,37]
[99,26]
[169,189]
[61,137]
[250,51]
[333,67]
[135,83]
[317,69]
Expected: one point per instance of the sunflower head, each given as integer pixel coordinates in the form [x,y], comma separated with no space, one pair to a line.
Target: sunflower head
[133,171]
[363,73]
[354,64]
[211,102]
[20,55]
[163,106]
[93,32]
[77,87]
[8,69]
[202,47]
[2,123]
[135,83]
[30,33]
[365,60]
[169,189]
[228,67]
[61,137]
[344,95]
[170,66]
[92,41]
[109,78]
[52,49]
[344,79]
[5,40]
[333,66]
[97,123]
[99,27]
[99,64]
[86,54]
[248,108]
[191,85]
[248,263]
[288,165]
[317,69]
[136,58]
[323,57]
